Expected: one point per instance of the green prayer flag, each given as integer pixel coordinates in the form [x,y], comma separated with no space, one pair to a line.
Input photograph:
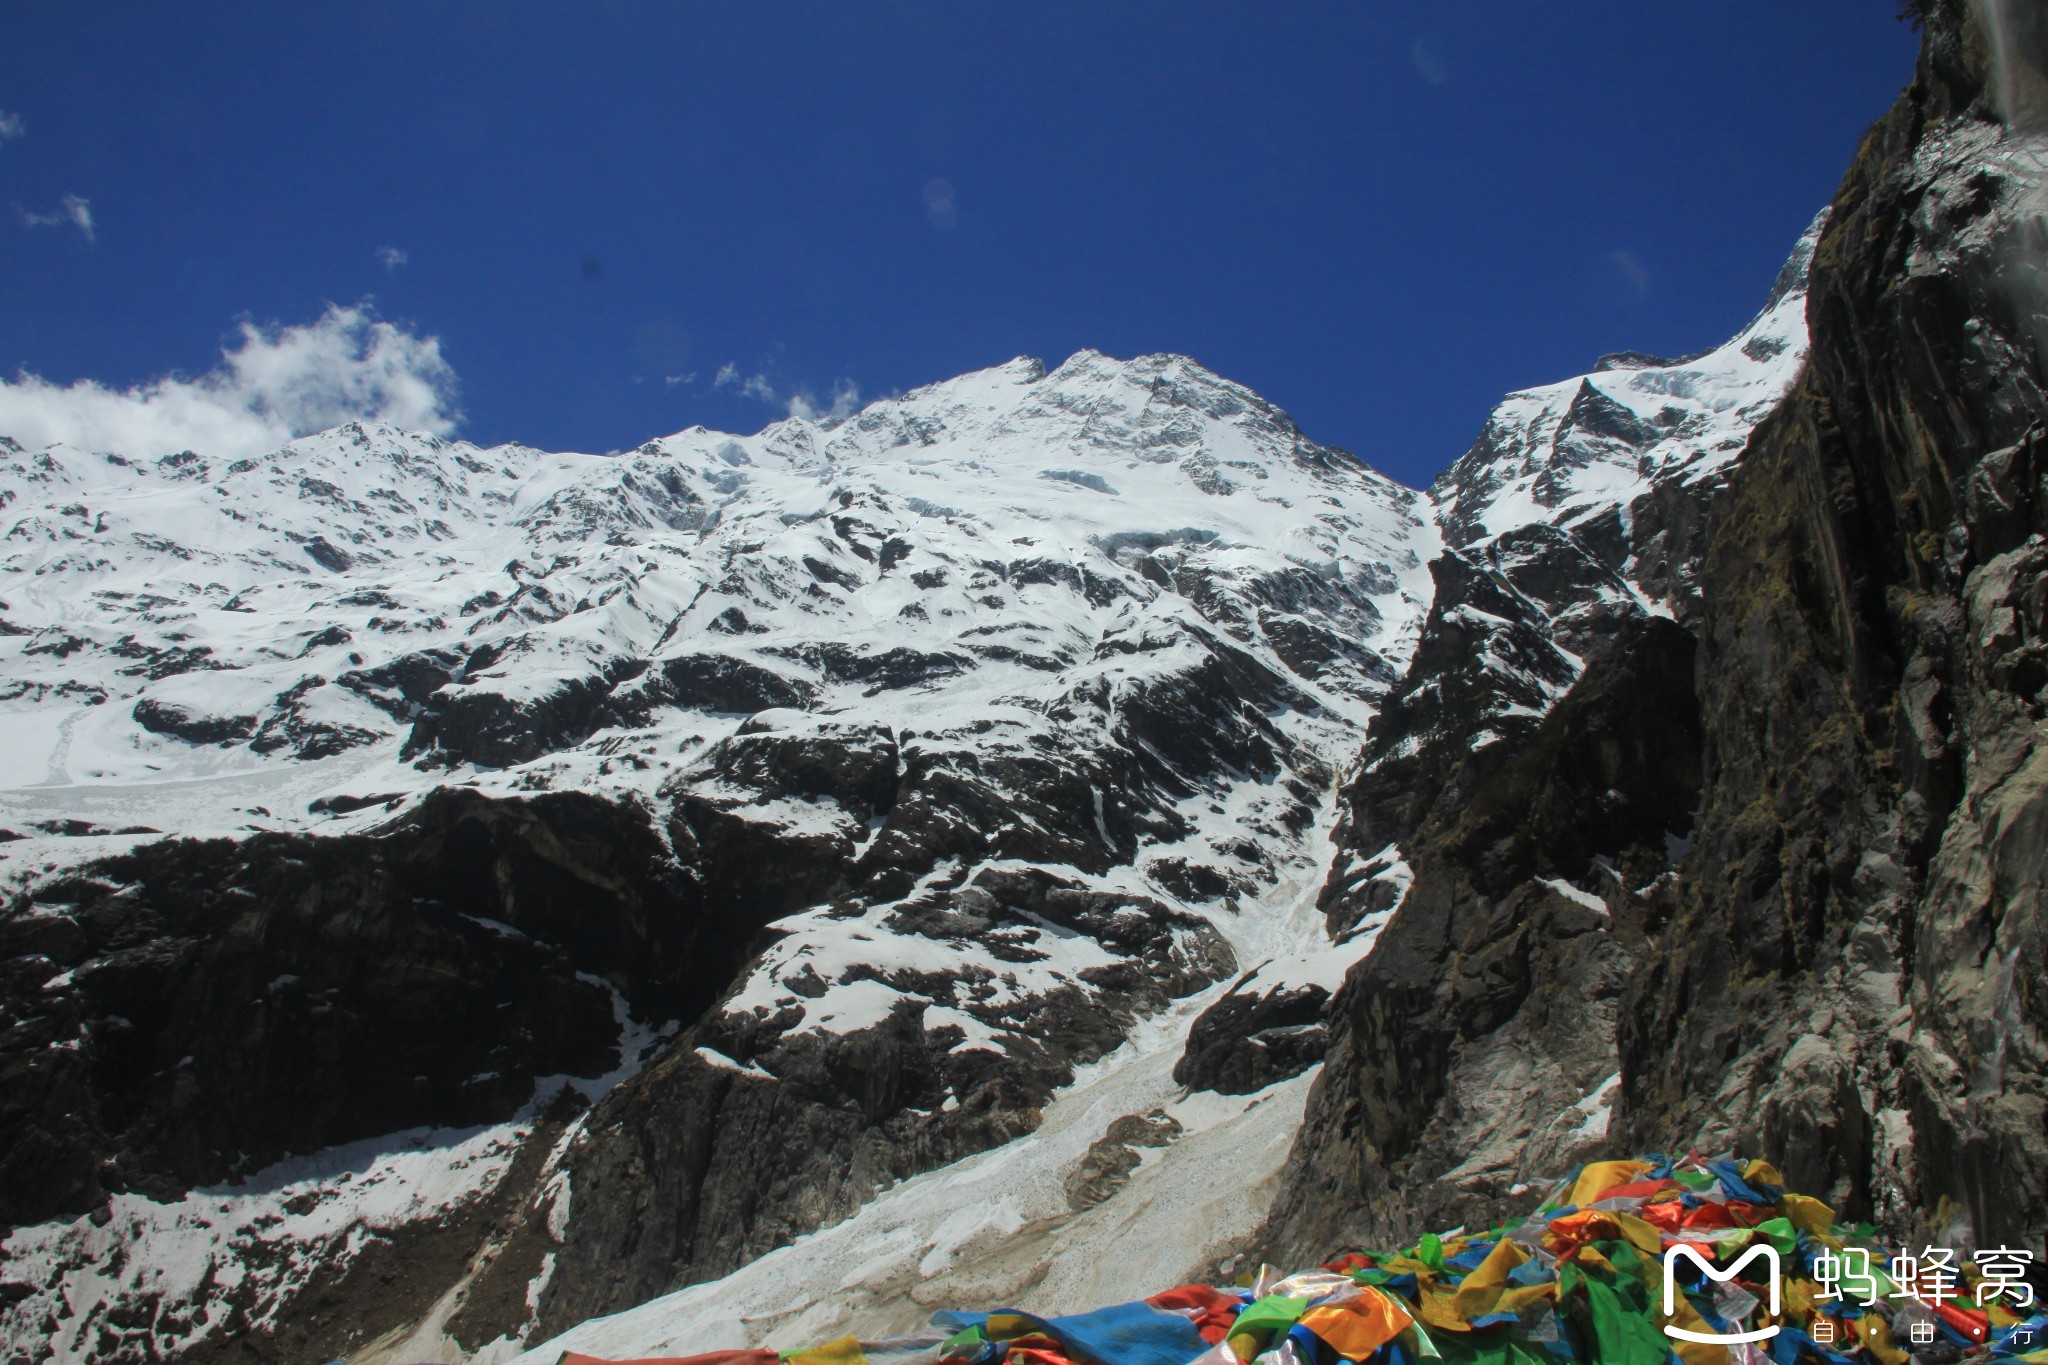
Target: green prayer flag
[1783,1235]
[1623,1334]
[963,1340]
[1269,1319]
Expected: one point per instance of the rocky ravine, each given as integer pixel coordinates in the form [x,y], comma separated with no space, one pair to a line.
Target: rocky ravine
[1841,966]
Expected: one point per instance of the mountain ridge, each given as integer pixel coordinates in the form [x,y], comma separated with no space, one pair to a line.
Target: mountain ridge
[976,749]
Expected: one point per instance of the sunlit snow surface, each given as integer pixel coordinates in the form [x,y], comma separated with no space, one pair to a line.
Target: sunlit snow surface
[1567,453]
[251,593]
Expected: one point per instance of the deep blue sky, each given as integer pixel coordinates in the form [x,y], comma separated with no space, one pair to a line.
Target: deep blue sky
[1380,216]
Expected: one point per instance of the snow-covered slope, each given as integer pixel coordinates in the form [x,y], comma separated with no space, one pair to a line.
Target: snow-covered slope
[981,539]
[999,709]
[980,754]
[1568,455]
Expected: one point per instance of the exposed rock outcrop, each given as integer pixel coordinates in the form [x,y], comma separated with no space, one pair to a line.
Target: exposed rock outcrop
[1851,969]
[198,1009]
[1839,968]
[1474,1049]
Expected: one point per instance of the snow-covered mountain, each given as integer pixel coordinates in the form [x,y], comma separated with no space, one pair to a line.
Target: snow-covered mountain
[956,782]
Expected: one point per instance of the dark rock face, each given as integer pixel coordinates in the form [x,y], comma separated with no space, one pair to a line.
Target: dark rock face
[490,729]
[1246,1041]
[474,723]
[403,687]
[1475,1047]
[1840,967]
[752,1132]
[159,718]
[1485,668]
[1848,976]
[718,682]
[700,1167]
[199,1009]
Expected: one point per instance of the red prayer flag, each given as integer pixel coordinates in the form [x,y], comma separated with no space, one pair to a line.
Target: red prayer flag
[1976,1326]
[1214,1309]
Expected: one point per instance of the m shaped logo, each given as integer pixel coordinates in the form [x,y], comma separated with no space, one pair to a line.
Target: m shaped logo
[1671,1292]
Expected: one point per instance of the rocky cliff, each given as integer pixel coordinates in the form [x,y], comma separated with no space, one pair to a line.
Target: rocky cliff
[1839,961]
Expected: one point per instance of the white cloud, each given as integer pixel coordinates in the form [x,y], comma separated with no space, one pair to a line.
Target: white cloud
[845,402]
[390,257]
[273,384]
[797,402]
[11,127]
[678,380]
[70,209]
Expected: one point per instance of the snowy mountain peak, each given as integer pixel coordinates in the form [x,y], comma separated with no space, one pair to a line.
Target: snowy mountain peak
[193,616]
[1158,408]
[1569,452]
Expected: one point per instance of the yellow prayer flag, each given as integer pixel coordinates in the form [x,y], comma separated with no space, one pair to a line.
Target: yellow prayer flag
[1602,1176]
[843,1351]
[1808,1214]
[1481,1289]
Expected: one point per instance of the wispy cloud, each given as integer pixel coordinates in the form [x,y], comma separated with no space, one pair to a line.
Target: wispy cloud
[390,257]
[1629,274]
[941,205]
[70,210]
[11,127]
[1428,62]
[272,383]
[844,402]
[799,401]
